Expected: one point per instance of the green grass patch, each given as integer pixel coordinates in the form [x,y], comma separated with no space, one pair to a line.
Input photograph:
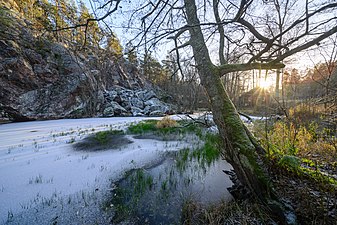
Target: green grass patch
[183,158]
[191,128]
[304,149]
[290,162]
[207,154]
[210,151]
[304,168]
[141,182]
[317,176]
[102,140]
[143,127]
[154,126]
[103,136]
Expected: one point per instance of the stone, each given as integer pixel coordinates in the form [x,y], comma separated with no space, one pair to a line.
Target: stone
[155,105]
[109,111]
[136,111]
[136,102]
[29,98]
[157,113]
[110,95]
[127,105]
[146,95]
[152,102]
[32,56]
[114,109]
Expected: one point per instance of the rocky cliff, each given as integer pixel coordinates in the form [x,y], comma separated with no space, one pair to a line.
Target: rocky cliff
[41,79]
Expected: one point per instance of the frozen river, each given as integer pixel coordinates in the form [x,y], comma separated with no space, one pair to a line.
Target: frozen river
[38,164]
[43,179]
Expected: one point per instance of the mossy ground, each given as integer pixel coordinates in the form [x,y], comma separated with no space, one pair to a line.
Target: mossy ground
[302,163]
[102,140]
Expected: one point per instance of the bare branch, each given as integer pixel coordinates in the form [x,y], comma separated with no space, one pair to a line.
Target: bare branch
[228,68]
[221,31]
[307,45]
[252,29]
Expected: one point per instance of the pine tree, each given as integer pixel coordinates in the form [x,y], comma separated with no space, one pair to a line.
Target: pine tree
[131,53]
[92,33]
[114,46]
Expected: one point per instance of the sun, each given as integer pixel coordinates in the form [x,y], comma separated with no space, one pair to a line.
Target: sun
[265,83]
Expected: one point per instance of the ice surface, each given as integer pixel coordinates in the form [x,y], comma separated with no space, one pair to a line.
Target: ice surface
[38,162]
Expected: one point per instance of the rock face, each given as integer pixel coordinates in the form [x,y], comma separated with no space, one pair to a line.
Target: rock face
[40,79]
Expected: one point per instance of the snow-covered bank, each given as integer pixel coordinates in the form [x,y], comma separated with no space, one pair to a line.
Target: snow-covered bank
[38,162]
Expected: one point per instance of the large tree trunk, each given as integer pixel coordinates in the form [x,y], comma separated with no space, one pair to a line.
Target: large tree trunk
[240,149]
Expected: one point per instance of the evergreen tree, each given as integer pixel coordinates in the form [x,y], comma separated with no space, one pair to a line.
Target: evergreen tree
[152,69]
[131,53]
[114,46]
[90,34]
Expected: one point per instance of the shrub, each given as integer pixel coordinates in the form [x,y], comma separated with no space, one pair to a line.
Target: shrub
[282,139]
[301,141]
[290,162]
[166,122]
[305,112]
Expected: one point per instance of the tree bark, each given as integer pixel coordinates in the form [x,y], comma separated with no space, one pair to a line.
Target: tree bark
[240,148]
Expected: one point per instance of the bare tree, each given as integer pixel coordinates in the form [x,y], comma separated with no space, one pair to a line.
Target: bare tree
[248,42]
[240,147]
[323,72]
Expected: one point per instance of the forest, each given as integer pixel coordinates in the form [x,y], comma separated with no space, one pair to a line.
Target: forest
[263,73]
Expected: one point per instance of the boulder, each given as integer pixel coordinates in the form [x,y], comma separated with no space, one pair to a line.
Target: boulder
[109,111]
[137,111]
[155,106]
[32,56]
[64,59]
[110,95]
[146,95]
[136,102]
[157,113]
[124,94]
[29,99]
[127,105]
[114,109]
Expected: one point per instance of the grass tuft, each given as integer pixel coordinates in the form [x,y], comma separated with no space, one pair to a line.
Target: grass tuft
[224,213]
[143,127]
[103,136]
[102,140]
[166,122]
